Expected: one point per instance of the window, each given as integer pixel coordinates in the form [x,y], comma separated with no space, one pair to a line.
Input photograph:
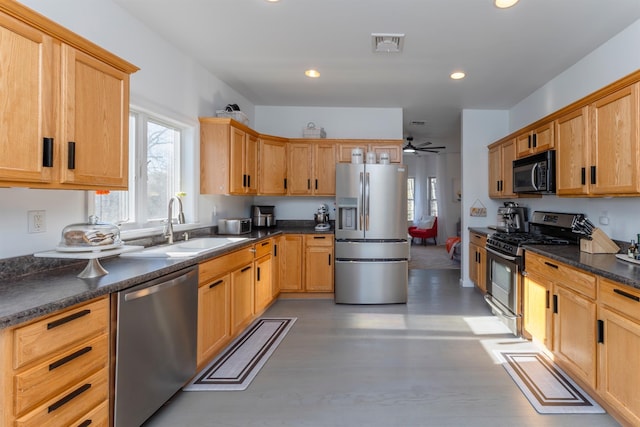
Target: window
[432,195]
[411,203]
[154,174]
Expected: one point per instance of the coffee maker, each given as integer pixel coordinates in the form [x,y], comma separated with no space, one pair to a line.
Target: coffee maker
[512,218]
[322,218]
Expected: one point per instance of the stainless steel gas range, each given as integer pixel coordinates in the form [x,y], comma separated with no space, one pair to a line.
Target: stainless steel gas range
[505,260]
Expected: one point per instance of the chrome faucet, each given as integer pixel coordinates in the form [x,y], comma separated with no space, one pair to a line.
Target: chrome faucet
[168,229]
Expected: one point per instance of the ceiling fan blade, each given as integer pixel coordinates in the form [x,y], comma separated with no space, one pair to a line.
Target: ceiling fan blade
[430,148]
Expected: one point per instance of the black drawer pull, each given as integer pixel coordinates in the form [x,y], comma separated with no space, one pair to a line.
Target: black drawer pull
[626,295]
[71,159]
[47,152]
[69,397]
[245,269]
[69,358]
[214,284]
[319,237]
[64,320]
[85,423]
[551,265]
[265,243]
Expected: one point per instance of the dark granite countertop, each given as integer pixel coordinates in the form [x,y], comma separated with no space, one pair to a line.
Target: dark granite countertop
[482,230]
[28,296]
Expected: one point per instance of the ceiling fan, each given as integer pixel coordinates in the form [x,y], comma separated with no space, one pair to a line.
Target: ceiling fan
[410,148]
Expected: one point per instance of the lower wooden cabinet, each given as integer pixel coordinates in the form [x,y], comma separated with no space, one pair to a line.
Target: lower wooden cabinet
[263,293]
[214,316]
[478,260]
[55,369]
[318,263]
[291,263]
[242,294]
[537,318]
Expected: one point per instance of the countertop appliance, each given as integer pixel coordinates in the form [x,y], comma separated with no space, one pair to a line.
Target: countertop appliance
[321,218]
[263,216]
[512,218]
[505,260]
[371,247]
[535,174]
[234,226]
[155,344]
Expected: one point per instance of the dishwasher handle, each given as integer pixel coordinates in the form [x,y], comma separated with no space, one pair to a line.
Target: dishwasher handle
[158,285]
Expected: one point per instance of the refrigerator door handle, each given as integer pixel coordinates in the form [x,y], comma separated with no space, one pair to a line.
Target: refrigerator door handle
[367,194]
[360,200]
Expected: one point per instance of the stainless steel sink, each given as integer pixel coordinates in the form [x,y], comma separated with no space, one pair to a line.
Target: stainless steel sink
[188,248]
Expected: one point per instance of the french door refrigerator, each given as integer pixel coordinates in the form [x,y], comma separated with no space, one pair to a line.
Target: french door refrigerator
[371,247]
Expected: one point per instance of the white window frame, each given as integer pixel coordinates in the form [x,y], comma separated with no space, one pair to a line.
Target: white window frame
[431,197]
[411,214]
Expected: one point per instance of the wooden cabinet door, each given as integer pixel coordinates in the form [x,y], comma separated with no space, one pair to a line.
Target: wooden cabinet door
[276,266]
[508,156]
[95,122]
[542,138]
[237,175]
[324,164]
[291,262]
[251,163]
[537,320]
[27,108]
[394,151]
[572,153]
[318,261]
[523,144]
[241,297]
[263,283]
[272,167]
[495,171]
[619,364]
[214,327]
[299,169]
[574,333]
[477,266]
[614,143]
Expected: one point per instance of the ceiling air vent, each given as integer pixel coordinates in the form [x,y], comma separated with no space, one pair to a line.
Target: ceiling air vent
[418,123]
[387,43]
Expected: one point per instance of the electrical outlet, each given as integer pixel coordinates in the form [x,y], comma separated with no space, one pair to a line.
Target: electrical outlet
[37,221]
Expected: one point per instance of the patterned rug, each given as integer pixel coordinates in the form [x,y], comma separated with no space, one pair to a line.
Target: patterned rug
[546,386]
[431,257]
[240,362]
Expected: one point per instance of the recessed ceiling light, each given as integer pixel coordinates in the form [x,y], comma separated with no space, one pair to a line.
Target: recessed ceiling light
[457,75]
[273,1]
[503,4]
[314,74]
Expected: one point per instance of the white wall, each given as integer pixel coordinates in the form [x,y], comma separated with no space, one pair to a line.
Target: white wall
[366,123]
[168,82]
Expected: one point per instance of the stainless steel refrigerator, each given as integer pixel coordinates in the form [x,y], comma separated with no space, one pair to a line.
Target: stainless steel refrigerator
[372,251]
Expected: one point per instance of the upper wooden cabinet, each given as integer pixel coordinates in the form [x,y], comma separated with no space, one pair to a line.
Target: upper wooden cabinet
[228,157]
[572,153]
[66,106]
[311,169]
[501,157]
[536,141]
[272,166]
[392,147]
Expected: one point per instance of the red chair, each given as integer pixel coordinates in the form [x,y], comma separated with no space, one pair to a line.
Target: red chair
[425,233]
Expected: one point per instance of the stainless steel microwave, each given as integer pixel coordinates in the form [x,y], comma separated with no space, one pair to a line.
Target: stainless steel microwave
[535,174]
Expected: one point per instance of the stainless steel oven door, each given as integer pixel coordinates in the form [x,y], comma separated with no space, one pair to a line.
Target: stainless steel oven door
[503,288]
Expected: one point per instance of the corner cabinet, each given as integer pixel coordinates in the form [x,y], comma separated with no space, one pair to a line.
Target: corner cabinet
[392,147]
[311,169]
[272,166]
[66,107]
[501,157]
[228,157]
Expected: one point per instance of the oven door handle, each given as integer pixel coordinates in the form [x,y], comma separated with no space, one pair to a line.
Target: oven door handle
[501,255]
[489,300]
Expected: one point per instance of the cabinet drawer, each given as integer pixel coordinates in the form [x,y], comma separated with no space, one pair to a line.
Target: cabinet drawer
[558,272]
[263,248]
[477,239]
[55,333]
[63,409]
[319,240]
[97,417]
[49,378]
[223,264]
[621,298]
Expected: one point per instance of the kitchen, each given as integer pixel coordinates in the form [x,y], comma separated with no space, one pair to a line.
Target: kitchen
[479,127]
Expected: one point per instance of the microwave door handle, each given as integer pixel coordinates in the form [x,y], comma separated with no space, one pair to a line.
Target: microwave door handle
[534,176]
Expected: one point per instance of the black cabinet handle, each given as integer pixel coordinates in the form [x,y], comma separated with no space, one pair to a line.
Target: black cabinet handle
[214,284]
[319,237]
[551,265]
[85,423]
[285,183]
[71,153]
[329,259]
[600,332]
[69,397]
[593,174]
[69,358]
[248,180]
[547,299]
[535,140]
[583,176]
[308,184]
[258,274]
[265,243]
[245,269]
[528,141]
[627,295]
[244,180]
[275,250]
[497,185]
[67,319]
[316,184]
[555,304]
[47,152]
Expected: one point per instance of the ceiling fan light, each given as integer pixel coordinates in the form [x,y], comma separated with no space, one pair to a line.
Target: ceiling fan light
[408,150]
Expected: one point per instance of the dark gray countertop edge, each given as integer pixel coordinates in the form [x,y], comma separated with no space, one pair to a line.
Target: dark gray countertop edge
[27,297]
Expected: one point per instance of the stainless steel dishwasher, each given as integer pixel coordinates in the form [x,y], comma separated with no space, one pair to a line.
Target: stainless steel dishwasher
[155,344]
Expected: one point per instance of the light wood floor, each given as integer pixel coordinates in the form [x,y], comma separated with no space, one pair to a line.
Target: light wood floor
[426,363]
